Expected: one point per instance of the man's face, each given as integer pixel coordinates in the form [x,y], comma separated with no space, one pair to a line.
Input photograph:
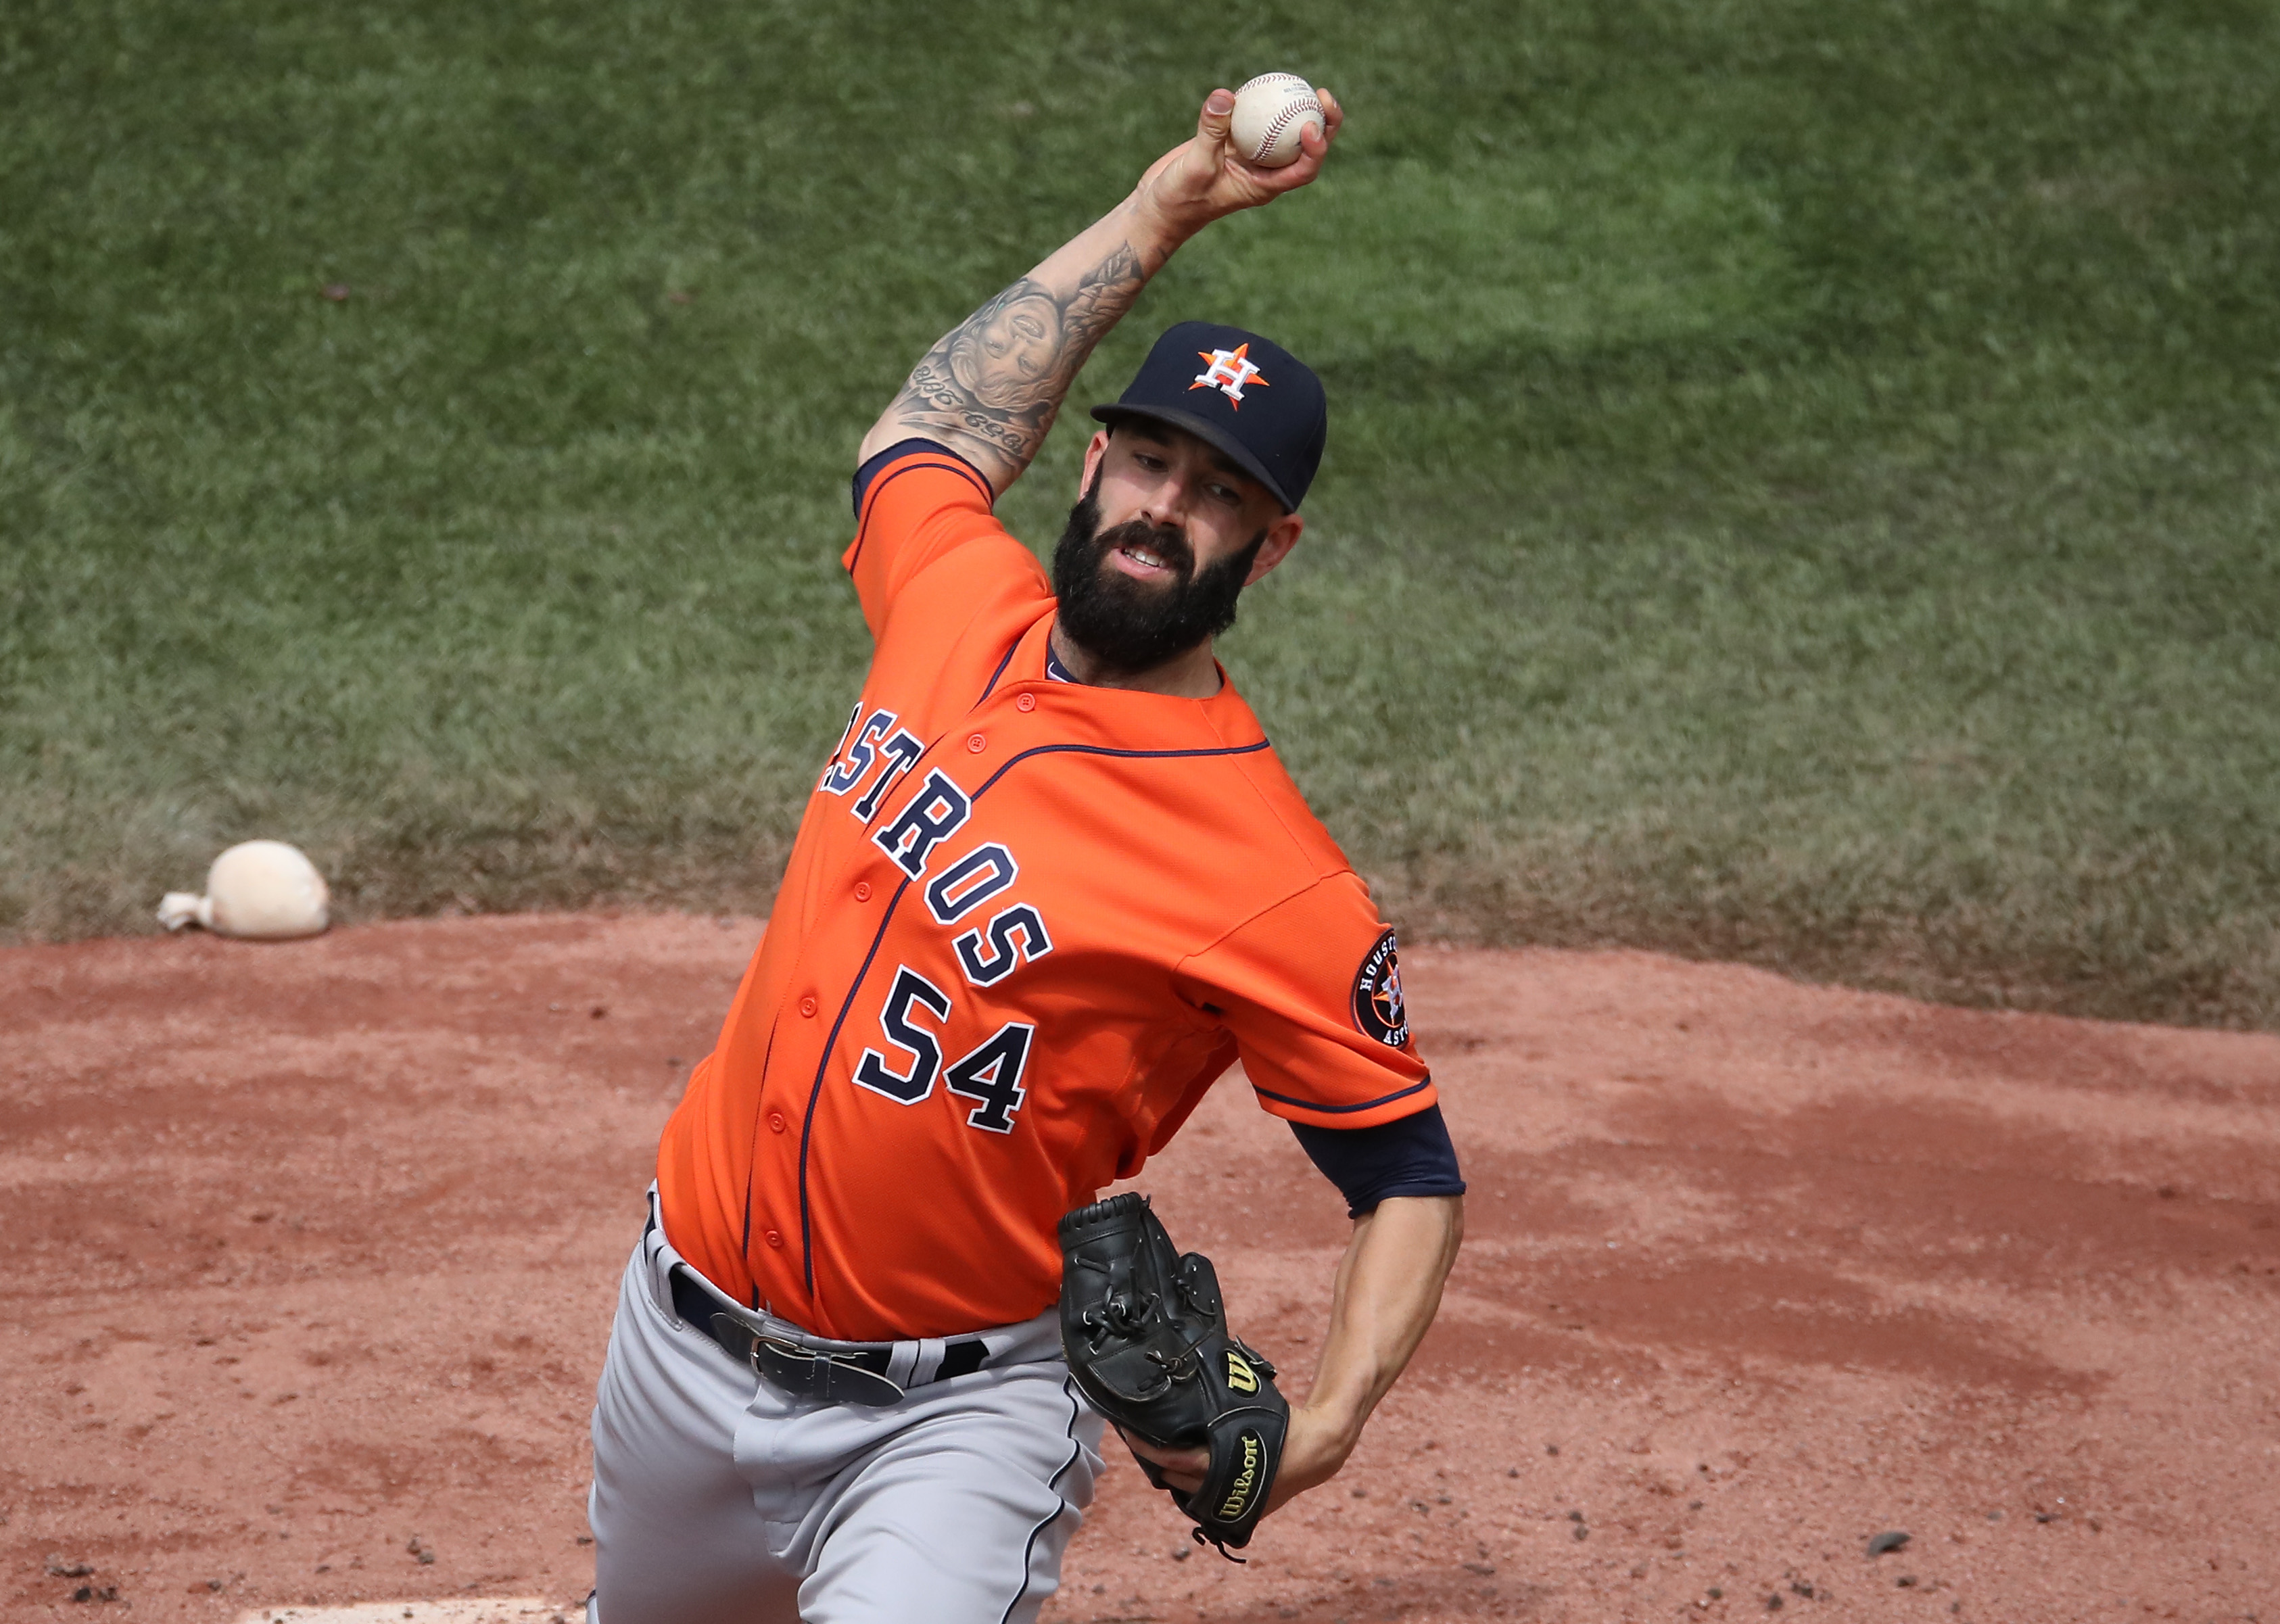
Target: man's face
[1169,534]
[1159,548]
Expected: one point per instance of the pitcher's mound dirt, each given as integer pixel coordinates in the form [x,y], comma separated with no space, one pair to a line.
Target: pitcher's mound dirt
[311,1251]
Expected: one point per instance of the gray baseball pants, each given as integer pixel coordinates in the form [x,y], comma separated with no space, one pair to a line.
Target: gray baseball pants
[718,1499]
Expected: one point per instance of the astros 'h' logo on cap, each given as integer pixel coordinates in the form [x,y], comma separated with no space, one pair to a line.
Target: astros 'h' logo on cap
[1227,371]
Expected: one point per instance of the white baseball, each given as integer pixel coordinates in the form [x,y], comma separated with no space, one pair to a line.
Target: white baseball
[1269,113]
[264,889]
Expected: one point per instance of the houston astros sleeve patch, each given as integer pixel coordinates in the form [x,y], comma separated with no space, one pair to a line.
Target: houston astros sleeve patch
[1312,990]
[1377,1007]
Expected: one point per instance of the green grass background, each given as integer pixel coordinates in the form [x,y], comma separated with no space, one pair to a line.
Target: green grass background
[1802,484]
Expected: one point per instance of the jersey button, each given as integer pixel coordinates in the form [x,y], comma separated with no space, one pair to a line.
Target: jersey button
[977,743]
[807,1006]
[862,890]
[774,1237]
[776,1121]
[1026,701]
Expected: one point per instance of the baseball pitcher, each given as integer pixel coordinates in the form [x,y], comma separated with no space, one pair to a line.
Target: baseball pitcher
[1051,885]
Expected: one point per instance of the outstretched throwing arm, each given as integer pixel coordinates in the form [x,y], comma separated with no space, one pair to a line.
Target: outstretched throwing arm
[992,387]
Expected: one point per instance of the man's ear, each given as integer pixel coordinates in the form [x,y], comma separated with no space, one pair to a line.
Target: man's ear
[1093,452]
[1281,536]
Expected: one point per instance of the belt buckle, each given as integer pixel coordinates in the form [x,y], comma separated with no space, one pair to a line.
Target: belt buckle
[819,1374]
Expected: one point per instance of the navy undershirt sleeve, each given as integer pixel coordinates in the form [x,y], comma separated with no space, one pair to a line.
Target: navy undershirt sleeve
[1410,1155]
[870,471]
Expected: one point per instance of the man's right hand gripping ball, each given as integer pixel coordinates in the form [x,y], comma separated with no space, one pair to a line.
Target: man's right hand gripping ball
[1147,1340]
[1206,177]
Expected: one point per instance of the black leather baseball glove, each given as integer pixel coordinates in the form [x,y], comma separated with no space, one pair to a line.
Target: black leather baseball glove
[1147,1339]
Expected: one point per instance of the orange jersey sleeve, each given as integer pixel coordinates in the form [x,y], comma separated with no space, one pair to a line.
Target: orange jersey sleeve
[918,509]
[1311,987]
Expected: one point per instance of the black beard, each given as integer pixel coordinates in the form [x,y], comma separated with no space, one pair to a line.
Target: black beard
[1128,625]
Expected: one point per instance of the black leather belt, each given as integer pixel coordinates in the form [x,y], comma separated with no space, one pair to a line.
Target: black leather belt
[835,1375]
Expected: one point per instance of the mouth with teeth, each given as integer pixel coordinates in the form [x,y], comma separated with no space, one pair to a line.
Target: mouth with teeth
[1143,560]
[1145,552]
[1132,595]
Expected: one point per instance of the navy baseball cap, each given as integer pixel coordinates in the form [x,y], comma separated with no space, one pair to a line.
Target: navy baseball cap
[1243,394]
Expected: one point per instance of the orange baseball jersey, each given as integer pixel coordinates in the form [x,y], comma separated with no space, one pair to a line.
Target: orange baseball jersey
[1025,925]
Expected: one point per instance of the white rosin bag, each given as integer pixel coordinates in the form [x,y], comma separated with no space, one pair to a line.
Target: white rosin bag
[262,889]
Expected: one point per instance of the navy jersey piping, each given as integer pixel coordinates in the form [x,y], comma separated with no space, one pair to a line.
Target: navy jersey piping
[912,445]
[1000,672]
[896,471]
[1102,749]
[815,1090]
[1340,1111]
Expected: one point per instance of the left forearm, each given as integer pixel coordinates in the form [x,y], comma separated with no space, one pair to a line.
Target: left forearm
[1389,1287]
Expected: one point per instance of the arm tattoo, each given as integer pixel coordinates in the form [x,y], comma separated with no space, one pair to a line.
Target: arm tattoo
[993,385]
